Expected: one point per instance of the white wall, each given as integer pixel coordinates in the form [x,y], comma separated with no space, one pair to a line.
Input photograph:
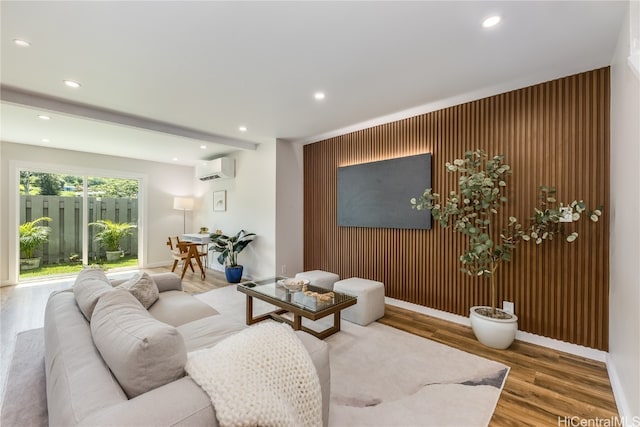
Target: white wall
[624,317]
[161,183]
[289,208]
[4,274]
[251,205]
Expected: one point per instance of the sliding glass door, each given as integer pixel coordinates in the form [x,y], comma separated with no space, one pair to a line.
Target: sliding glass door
[50,232]
[67,221]
[113,221]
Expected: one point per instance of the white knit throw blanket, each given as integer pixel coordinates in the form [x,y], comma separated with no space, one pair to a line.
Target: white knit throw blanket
[262,376]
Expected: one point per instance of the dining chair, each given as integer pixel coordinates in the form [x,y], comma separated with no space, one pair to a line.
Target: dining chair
[178,252]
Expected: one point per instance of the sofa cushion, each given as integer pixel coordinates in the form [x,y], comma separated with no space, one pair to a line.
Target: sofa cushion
[143,287]
[78,380]
[209,331]
[167,281]
[89,286]
[142,352]
[177,308]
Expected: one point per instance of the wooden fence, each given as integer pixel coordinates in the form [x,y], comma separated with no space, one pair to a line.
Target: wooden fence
[65,239]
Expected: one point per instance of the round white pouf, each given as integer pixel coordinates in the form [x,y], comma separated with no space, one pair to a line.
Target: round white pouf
[322,279]
[370,306]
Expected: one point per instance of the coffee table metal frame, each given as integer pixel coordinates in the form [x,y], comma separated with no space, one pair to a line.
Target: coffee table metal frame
[252,290]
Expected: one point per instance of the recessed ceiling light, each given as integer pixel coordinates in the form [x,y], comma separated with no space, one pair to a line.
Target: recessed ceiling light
[204,147]
[242,128]
[491,21]
[72,83]
[46,140]
[44,117]
[175,159]
[318,95]
[21,43]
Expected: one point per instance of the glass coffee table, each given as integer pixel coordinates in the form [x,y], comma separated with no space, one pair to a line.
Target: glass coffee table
[296,303]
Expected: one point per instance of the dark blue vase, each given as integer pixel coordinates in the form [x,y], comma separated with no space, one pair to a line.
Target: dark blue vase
[234,274]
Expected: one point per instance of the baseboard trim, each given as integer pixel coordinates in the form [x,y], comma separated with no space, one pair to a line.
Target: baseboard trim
[575,349]
[158,264]
[627,418]
[443,315]
[216,267]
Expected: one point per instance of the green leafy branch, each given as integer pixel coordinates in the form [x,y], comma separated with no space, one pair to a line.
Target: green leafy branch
[474,211]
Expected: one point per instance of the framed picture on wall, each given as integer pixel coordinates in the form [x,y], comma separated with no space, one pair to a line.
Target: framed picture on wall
[220,201]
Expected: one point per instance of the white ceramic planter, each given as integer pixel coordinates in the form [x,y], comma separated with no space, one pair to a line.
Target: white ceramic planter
[495,333]
[113,256]
[29,263]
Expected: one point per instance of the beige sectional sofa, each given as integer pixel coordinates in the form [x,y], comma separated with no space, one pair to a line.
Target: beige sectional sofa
[123,367]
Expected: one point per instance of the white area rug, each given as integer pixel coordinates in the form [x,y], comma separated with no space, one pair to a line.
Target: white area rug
[381,376]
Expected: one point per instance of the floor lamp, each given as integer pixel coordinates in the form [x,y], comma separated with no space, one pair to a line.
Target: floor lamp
[183,204]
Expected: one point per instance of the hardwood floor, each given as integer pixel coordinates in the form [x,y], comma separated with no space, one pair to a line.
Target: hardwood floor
[193,284]
[543,385]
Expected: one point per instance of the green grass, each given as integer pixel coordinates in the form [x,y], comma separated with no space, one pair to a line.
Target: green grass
[70,269]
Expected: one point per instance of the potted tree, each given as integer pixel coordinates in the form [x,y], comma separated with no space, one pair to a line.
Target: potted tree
[475,210]
[109,236]
[32,236]
[229,247]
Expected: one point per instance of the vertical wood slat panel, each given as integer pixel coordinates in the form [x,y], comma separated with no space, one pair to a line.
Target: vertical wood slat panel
[555,133]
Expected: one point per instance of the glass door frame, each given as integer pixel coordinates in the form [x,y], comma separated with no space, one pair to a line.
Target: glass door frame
[16,166]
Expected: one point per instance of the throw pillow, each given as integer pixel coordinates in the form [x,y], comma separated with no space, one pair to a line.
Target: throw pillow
[142,352]
[142,286]
[89,286]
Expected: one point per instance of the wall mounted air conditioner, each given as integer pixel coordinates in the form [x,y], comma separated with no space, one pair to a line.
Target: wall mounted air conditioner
[223,167]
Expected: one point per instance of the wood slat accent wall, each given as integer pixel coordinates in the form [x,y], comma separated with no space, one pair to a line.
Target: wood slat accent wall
[555,133]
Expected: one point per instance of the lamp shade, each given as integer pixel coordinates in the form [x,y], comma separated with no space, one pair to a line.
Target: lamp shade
[183,203]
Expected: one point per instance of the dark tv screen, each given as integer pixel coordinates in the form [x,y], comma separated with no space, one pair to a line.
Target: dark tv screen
[377,194]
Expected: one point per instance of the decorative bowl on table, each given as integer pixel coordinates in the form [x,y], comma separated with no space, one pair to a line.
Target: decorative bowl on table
[293,285]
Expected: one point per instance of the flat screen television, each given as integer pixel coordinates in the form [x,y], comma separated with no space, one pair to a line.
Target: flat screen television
[377,194]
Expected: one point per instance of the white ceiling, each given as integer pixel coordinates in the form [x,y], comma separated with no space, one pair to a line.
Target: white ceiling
[213,66]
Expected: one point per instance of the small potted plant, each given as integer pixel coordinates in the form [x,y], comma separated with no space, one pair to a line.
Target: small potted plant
[32,236]
[475,211]
[229,247]
[109,236]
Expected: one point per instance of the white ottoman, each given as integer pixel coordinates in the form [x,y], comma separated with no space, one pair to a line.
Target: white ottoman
[370,306]
[320,278]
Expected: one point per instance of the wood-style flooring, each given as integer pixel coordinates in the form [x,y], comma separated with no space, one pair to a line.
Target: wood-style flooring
[543,387]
